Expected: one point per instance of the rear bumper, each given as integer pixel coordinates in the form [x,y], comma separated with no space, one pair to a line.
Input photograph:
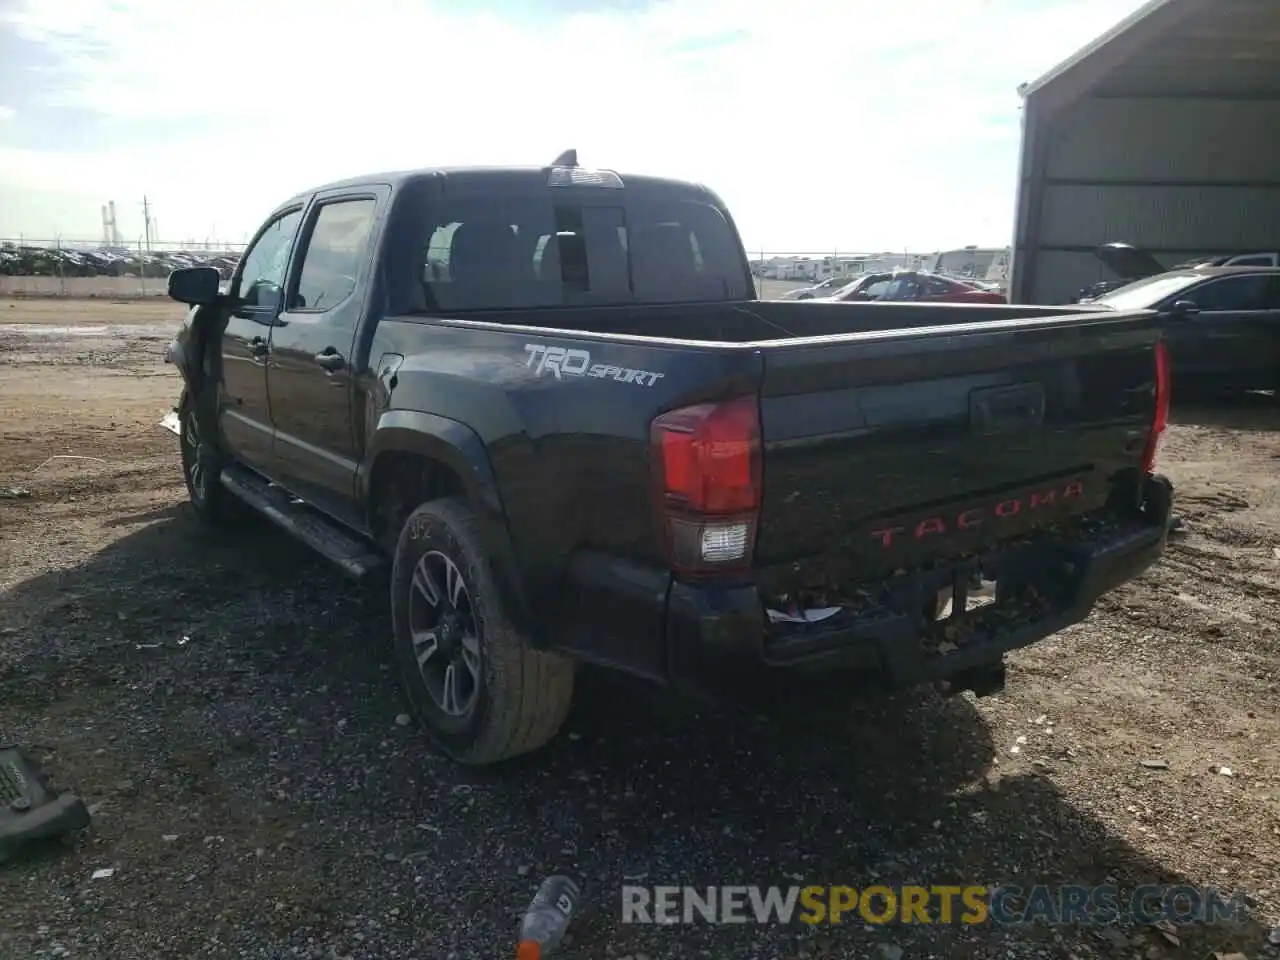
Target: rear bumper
[720,643]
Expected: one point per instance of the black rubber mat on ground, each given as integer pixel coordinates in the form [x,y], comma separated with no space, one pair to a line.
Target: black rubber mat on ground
[30,809]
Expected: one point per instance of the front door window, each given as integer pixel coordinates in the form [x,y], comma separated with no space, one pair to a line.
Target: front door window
[261,279]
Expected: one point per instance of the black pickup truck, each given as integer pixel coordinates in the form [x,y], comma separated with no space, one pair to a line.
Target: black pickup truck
[547,404]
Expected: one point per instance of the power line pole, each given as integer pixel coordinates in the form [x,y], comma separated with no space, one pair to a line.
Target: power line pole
[146,219]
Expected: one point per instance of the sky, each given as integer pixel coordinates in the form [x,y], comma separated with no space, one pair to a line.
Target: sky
[824,125]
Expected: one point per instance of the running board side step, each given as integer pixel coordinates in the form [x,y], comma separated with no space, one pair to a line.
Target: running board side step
[352,554]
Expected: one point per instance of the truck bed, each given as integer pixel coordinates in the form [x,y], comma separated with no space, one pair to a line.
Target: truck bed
[895,420]
[765,320]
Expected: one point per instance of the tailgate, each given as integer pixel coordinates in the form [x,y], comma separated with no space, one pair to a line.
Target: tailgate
[888,450]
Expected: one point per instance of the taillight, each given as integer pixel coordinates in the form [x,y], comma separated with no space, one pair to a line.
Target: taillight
[1161,418]
[707,474]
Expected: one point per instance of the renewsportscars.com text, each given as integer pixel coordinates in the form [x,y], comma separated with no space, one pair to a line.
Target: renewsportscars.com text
[941,904]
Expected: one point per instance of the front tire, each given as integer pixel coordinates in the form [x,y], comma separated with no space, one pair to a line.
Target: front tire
[202,465]
[472,678]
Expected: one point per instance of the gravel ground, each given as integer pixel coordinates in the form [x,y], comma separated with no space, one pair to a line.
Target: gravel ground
[225,704]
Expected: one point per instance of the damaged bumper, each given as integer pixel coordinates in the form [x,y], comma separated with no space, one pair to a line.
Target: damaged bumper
[171,423]
[175,353]
[719,640]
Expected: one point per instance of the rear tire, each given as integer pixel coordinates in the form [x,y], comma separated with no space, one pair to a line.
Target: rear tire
[474,681]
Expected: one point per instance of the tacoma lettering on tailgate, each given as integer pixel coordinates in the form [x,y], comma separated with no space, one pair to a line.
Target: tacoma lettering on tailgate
[563,362]
[976,516]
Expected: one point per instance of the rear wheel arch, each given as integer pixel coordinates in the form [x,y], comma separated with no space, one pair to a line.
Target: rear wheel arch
[415,458]
[400,480]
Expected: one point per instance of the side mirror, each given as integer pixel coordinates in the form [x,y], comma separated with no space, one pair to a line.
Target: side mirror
[1185,308]
[194,285]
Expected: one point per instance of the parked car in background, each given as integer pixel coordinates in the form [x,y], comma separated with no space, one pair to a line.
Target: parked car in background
[989,285]
[934,288]
[869,286]
[910,285]
[823,289]
[1240,260]
[1132,263]
[1223,323]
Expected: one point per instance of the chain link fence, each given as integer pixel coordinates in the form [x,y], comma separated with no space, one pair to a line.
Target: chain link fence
[63,268]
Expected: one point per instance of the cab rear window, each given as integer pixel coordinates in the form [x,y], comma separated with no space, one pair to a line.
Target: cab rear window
[493,252]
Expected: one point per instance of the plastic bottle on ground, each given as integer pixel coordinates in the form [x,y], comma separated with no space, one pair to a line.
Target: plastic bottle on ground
[548,918]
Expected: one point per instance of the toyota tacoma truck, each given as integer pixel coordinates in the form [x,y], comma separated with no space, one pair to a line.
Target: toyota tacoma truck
[544,409]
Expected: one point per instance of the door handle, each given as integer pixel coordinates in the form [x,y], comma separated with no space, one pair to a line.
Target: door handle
[258,347]
[330,359]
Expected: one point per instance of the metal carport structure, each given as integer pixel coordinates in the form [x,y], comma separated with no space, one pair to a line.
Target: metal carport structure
[1163,133]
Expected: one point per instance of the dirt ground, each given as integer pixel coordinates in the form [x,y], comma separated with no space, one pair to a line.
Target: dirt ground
[224,702]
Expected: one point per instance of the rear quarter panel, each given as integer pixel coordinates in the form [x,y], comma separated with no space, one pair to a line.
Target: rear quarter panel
[565,421]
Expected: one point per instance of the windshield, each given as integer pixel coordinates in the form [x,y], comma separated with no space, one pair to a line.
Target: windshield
[1145,294]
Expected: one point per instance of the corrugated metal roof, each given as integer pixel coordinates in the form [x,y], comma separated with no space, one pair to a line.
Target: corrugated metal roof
[1134,27]
[1174,48]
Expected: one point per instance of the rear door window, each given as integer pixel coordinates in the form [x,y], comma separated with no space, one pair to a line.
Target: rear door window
[334,253]
[493,252]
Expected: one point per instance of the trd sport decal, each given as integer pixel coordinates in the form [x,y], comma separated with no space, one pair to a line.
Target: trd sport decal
[562,362]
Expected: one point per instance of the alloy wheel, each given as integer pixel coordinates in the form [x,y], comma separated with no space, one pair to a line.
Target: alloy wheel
[194,454]
[442,626]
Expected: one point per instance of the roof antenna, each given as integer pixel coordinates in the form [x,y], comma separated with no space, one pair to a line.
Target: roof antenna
[567,159]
